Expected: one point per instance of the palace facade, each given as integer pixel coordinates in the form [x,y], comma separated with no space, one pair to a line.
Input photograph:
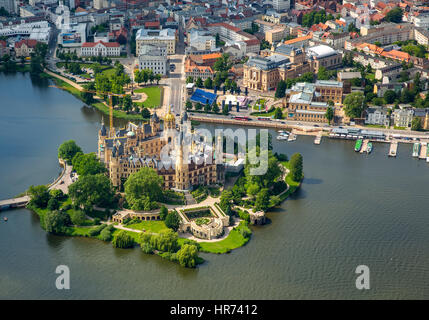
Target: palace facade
[138,146]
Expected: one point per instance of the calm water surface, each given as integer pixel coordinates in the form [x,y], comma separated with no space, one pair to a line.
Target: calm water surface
[352,209]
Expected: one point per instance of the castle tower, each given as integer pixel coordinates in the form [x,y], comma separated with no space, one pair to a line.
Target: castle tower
[182,167]
[102,135]
[154,123]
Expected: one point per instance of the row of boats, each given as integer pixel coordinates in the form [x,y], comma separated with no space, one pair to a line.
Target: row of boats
[285,135]
[417,147]
[359,143]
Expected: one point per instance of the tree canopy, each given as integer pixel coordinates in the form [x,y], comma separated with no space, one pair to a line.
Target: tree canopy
[143,186]
[296,166]
[68,150]
[92,190]
[354,104]
[85,164]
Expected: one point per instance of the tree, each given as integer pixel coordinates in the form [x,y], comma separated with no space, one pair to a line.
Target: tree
[262,201]
[92,190]
[163,212]
[189,79]
[145,113]
[207,107]
[416,124]
[296,167]
[252,190]
[128,103]
[188,105]
[143,184]
[322,74]
[225,110]
[389,96]
[199,82]
[122,240]
[278,114]
[53,204]
[172,220]
[56,222]
[85,164]
[281,89]
[39,195]
[329,115]
[68,150]
[394,15]
[215,107]
[187,256]
[354,104]
[208,83]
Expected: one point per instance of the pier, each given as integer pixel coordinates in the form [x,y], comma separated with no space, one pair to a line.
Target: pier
[318,139]
[393,149]
[423,151]
[364,146]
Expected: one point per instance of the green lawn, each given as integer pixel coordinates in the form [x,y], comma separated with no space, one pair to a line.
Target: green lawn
[153,96]
[106,70]
[233,241]
[150,226]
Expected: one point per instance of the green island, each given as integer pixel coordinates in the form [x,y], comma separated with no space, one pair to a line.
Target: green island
[86,210]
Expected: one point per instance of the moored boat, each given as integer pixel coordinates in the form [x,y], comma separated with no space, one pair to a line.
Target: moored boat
[416,149]
[369,147]
[282,137]
[5,218]
[427,153]
[358,145]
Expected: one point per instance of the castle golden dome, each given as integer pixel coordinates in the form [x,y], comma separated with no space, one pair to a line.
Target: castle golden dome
[169,117]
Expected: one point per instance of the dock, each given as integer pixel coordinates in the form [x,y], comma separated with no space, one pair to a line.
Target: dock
[364,146]
[393,149]
[318,139]
[292,137]
[423,151]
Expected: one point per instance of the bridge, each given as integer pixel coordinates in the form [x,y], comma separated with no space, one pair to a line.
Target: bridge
[61,183]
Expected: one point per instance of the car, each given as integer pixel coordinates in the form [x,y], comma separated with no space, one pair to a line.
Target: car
[283,122]
[316,125]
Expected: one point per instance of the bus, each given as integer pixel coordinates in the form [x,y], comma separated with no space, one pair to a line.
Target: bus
[241,118]
[264,118]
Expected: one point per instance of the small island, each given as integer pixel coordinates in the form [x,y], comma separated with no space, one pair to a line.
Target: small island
[124,193]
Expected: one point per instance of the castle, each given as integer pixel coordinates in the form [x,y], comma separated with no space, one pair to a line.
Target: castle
[138,146]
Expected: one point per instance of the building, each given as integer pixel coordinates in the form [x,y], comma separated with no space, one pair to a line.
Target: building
[324,56]
[8,5]
[187,164]
[165,37]
[201,40]
[275,35]
[25,47]
[403,117]
[101,4]
[73,35]
[264,73]
[281,5]
[309,102]
[423,115]
[377,116]
[197,71]
[154,58]
[100,48]
[3,48]
[346,78]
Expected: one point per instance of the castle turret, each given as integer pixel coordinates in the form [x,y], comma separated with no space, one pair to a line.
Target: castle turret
[182,167]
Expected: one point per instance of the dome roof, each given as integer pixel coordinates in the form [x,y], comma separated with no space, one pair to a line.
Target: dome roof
[169,116]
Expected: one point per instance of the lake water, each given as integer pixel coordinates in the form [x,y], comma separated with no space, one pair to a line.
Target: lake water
[352,210]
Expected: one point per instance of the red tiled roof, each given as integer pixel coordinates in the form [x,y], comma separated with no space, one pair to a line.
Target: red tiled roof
[28,42]
[106,44]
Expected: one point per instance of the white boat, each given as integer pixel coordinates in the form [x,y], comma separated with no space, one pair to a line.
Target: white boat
[280,131]
[282,137]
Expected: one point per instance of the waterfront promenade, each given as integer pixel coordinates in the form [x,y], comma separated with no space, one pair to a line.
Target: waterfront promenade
[61,183]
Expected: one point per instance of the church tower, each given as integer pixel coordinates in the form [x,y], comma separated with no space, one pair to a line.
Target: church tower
[102,135]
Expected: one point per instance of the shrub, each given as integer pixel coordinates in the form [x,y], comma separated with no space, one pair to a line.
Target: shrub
[77,217]
[96,231]
[105,234]
[122,240]
[172,220]
[53,204]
